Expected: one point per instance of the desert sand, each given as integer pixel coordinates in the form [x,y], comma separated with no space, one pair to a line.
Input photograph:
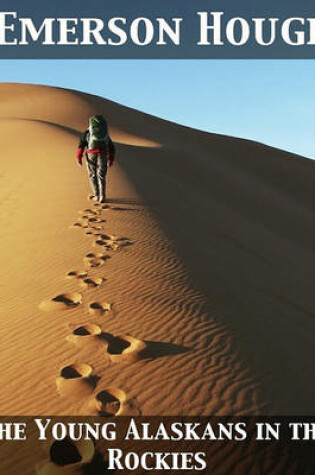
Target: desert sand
[190,292]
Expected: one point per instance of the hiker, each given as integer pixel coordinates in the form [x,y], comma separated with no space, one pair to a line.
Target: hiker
[99,152]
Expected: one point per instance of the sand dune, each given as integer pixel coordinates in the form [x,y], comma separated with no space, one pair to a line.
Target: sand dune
[190,293]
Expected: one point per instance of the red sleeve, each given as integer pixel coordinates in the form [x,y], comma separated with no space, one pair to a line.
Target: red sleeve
[80,153]
[111,151]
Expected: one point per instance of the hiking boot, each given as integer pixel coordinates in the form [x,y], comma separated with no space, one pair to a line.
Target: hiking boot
[96,198]
[102,199]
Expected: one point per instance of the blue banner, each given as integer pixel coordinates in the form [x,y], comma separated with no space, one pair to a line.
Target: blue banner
[157,29]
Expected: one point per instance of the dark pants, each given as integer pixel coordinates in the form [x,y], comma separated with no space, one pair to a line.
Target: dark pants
[97,169]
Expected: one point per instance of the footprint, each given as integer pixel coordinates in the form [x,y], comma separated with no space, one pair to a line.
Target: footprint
[90,231]
[76,381]
[94,263]
[100,242]
[95,259]
[108,401]
[113,401]
[89,211]
[109,237]
[110,242]
[62,302]
[93,255]
[91,283]
[125,348]
[96,220]
[78,224]
[101,206]
[85,334]
[86,210]
[89,329]
[76,274]
[67,454]
[96,255]
[94,230]
[99,308]
[97,228]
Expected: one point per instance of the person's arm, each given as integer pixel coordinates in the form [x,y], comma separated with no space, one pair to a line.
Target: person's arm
[81,147]
[111,153]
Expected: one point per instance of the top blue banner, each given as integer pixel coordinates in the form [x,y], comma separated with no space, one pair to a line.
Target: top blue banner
[157,29]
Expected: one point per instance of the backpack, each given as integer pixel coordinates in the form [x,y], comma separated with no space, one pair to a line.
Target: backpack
[98,133]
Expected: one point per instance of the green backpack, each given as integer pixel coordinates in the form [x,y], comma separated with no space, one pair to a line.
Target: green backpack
[98,132]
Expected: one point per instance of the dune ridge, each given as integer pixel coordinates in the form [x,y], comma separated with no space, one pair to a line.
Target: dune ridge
[214,278]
